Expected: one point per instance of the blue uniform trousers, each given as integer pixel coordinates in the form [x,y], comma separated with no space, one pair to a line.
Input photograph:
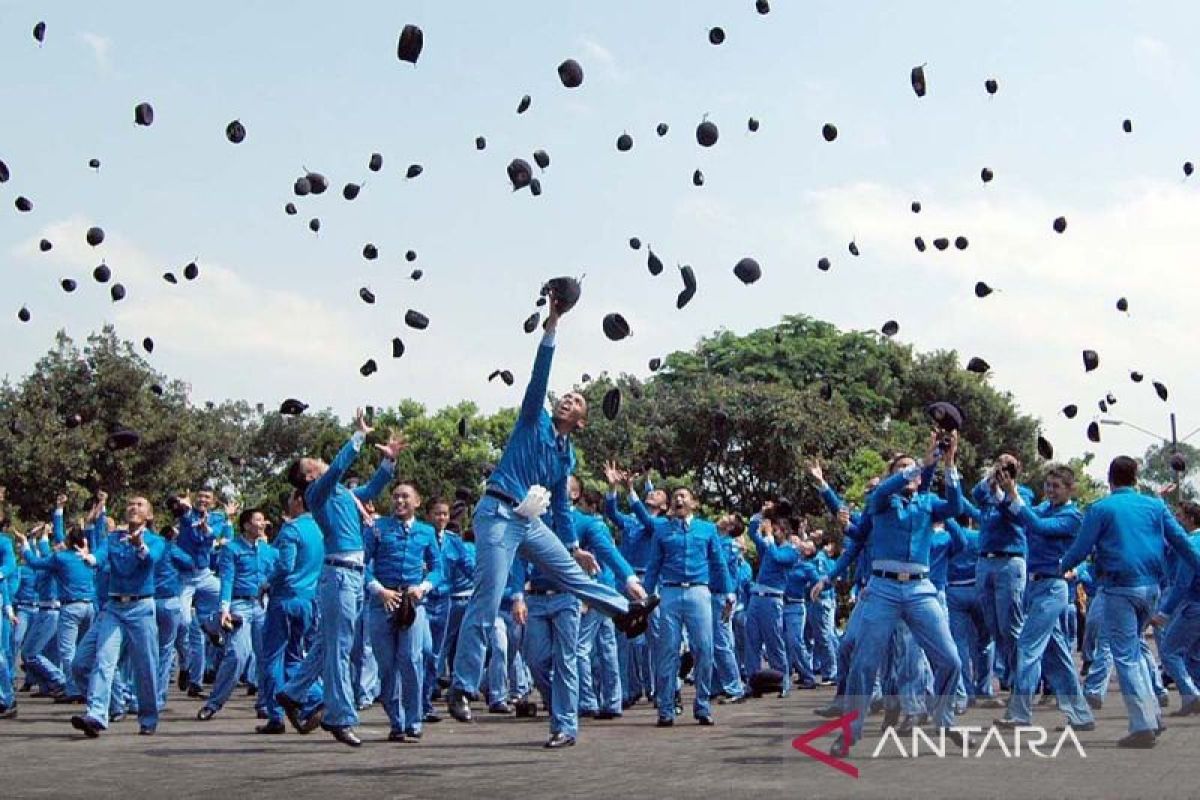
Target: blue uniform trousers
[398,652]
[240,645]
[74,619]
[599,688]
[764,635]
[131,624]
[799,656]
[1043,645]
[1127,611]
[681,609]
[1001,586]
[167,616]
[1179,642]
[289,632]
[38,656]
[823,634]
[727,675]
[551,633]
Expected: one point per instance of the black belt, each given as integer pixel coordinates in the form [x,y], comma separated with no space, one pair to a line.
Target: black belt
[249,598]
[129,598]
[903,577]
[683,584]
[1000,554]
[1045,576]
[337,562]
[792,601]
[543,592]
[77,600]
[641,571]
[766,593]
[501,496]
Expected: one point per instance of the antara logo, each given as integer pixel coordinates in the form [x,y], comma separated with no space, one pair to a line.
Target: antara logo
[1031,738]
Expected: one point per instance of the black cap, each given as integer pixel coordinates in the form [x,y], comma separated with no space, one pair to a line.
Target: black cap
[95,236]
[541,158]
[1188,169]
[1070,411]
[829,131]
[624,142]
[235,132]
[94,163]
[535,187]
[762,6]
[317,182]
[375,163]
[986,175]
[982,289]
[1122,304]
[416,274]
[612,403]
[169,277]
[68,284]
[4,172]
[941,243]
[853,248]
[519,173]
[143,114]
[961,242]
[707,133]
[531,323]
[351,190]
[23,314]
[73,421]
[122,439]
[23,204]
[567,291]
[1161,391]
[1136,376]
[1111,398]
[314,224]
[917,77]
[370,252]
[689,286]
[523,106]
[102,273]
[397,347]
[290,209]
[615,327]
[945,415]
[480,143]
[156,389]
[752,124]
[413,171]
[662,129]
[890,328]
[117,292]
[148,344]
[415,319]
[1127,126]
[1060,224]
[570,73]
[916,206]
[716,35]
[1093,431]
[39,32]
[44,245]
[368,368]
[635,243]
[507,377]
[301,187]
[367,295]
[991,85]
[919,243]
[1044,448]
[653,262]
[412,39]
[1103,406]
[191,271]
[655,364]
[410,255]
[747,271]
[1091,360]
[462,427]
[823,264]
[978,365]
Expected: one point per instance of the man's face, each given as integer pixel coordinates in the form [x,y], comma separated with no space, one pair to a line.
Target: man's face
[1057,492]
[137,512]
[574,488]
[405,501]
[903,464]
[657,500]
[440,516]
[682,503]
[312,468]
[204,500]
[571,410]
[255,526]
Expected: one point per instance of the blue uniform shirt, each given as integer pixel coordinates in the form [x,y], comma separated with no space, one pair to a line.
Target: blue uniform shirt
[299,555]
[167,583]
[44,584]
[902,527]
[130,570]
[687,552]
[243,568]
[458,565]
[333,506]
[535,453]
[800,579]
[1049,531]
[1000,528]
[1129,532]
[25,591]
[962,563]
[774,560]
[197,542]
[1186,585]
[635,533]
[400,554]
[74,578]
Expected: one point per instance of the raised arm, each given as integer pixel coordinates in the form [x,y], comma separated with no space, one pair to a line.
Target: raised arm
[1094,522]
[539,382]
[320,490]
[1055,526]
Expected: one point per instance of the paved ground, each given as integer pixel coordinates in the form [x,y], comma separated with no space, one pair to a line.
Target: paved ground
[748,754]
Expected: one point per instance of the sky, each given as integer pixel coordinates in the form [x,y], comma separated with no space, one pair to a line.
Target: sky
[276,310]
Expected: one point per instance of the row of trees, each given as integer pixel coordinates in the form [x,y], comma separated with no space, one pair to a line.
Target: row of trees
[737,418]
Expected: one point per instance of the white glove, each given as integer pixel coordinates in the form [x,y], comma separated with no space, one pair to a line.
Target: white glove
[536,501]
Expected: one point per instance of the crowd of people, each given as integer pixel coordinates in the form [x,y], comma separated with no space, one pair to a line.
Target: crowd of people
[594,602]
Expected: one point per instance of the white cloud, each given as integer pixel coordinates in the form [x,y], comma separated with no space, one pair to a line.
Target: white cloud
[596,54]
[101,47]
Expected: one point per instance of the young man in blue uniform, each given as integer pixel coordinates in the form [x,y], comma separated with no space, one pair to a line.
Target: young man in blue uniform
[530,479]
[200,527]
[1180,613]
[1129,533]
[764,616]
[600,692]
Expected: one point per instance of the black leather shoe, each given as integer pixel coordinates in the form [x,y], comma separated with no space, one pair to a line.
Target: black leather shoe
[69,700]
[1164,700]
[147,730]
[839,748]
[587,713]
[271,728]
[504,708]
[990,702]
[560,740]
[458,706]
[344,734]
[604,715]
[1006,724]
[432,717]
[1187,709]
[705,720]
[8,712]
[291,708]
[1083,728]
[184,680]
[1141,740]
[412,735]
[890,717]
[196,693]
[906,725]
[397,736]
[90,727]
[314,720]
[828,712]
[666,722]
[251,691]
[205,714]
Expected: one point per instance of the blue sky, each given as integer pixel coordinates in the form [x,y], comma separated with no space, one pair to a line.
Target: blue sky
[276,311]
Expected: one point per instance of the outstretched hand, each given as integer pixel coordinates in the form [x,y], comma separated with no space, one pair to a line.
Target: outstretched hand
[396,445]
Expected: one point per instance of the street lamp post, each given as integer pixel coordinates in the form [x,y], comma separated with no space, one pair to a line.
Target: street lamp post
[1177,462]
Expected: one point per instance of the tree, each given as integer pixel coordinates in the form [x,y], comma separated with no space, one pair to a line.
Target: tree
[1157,471]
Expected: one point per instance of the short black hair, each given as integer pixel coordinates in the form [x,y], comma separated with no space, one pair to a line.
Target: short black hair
[246,516]
[295,475]
[1190,511]
[1123,471]
[592,499]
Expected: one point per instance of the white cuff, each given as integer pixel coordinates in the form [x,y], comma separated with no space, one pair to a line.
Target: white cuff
[633,579]
[548,339]
[911,471]
[225,607]
[358,438]
[518,597]
[731,598]
[953,475]
[425,586]
[633,495]
[89,559]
